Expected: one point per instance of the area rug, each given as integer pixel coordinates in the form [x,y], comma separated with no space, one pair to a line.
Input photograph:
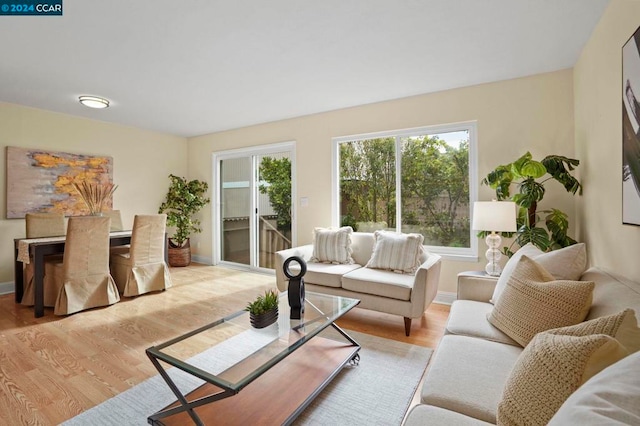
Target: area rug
[375,392]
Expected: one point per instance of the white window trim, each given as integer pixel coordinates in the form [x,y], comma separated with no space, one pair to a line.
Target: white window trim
[454,253]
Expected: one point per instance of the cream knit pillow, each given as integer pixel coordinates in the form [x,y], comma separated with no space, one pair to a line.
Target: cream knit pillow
[533,302]
[549,370]
[567,263]
[622,326]
[396,252]
[332,245]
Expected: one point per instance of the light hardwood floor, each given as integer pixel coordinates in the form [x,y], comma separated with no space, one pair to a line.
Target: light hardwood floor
[53,368]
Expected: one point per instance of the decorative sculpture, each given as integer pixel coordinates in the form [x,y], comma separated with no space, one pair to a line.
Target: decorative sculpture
[296,286]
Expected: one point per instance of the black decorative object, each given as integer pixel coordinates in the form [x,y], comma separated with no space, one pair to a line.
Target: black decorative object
[264,319]
[296,286]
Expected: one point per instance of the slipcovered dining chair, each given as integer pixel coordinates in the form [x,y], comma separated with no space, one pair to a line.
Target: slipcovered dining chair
[40,225]
[81,279]
[143,269]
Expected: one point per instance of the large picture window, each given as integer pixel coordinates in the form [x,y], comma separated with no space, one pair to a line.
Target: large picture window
[415,180]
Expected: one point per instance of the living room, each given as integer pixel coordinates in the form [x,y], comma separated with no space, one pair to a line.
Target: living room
[573,112]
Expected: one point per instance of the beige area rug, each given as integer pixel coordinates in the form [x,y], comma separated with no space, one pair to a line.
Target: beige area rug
[375,392]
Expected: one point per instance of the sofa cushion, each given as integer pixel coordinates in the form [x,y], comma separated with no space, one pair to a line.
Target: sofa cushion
[567,263]
[396,252]
[611,294]
[550,369]
[611,397]
[379,283]
[533,302]
[325,274]
[469,318]
[332,245]
[622,326]
[429,415]
[467,375]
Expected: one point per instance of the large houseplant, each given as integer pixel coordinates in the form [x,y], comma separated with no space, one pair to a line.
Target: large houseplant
[548,232]
[183,200]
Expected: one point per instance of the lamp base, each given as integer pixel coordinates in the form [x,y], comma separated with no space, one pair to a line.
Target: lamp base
[493,255]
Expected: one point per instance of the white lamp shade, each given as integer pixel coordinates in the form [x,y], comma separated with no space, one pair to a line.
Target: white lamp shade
[498,216]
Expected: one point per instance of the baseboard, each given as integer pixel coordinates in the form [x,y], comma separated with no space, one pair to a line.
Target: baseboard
[445,298]
[202,259]
[6,288]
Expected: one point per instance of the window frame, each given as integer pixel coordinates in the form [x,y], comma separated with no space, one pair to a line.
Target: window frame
[456,253]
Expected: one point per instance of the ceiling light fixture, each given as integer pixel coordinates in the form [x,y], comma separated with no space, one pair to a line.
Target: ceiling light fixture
[94,102]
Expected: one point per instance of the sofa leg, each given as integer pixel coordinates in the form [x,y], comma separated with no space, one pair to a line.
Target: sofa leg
[407,326]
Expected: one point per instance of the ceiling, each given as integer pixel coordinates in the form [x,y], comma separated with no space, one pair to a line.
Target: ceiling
[194,67]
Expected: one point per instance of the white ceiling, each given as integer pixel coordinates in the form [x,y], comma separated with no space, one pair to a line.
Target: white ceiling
[191,67]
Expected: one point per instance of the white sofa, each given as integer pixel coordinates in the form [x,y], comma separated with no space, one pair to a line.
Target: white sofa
[467,374]
[379,290]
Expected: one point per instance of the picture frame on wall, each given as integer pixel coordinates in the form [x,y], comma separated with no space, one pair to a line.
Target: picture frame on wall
[631,130]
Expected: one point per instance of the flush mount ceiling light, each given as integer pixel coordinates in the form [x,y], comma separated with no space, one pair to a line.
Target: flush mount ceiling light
[94,102]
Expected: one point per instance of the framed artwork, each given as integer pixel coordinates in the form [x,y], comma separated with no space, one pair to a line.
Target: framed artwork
[631,130]
[42,181]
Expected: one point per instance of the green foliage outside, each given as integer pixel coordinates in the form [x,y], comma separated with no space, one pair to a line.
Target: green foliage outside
[546,229]
[183,200]
[434,182]
[263,303]
[277,173]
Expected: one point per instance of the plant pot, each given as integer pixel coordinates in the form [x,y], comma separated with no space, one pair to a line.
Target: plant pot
[264,319]
[179,255]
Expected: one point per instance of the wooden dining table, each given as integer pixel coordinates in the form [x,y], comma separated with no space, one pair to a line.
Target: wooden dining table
[37,249]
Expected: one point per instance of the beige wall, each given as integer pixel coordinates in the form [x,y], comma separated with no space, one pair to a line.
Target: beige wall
[142,161]
[533,113]
[598,123]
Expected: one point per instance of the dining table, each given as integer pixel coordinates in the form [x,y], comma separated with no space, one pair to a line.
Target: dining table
[35,249]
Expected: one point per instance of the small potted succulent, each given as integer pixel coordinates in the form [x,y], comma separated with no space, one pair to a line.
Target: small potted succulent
[263,311]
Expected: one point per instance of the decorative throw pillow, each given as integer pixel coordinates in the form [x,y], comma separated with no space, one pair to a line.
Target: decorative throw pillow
[568,263]
[549,370]
[622,326]
[396,252]
[332,245]
[610,397]
[533,302]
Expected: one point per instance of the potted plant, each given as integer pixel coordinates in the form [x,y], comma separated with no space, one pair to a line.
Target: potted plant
[263,311]
[523,173]
[183,200]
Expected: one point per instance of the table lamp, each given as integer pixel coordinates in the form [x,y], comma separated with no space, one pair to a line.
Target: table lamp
[494,216]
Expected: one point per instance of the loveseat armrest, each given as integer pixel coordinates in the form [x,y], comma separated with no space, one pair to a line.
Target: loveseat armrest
[476,285]
[305,252]
[425,285]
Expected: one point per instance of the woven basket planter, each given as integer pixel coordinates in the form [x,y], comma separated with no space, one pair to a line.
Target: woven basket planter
[179,256]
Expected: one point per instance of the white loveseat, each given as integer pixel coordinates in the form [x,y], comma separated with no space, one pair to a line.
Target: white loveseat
[467,374]
[407,295]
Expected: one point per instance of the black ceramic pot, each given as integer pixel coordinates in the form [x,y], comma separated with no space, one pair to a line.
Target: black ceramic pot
[263,320]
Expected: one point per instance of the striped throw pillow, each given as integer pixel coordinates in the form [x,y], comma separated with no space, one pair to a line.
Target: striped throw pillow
[396,252]
[332,245]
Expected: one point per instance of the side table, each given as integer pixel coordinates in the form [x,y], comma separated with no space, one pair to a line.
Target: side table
[476,285]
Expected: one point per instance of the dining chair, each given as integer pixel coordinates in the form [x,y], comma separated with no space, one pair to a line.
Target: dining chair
[40,225]
[143,269]
[81,279]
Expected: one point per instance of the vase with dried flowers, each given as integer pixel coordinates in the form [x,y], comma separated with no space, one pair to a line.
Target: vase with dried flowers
[95,195]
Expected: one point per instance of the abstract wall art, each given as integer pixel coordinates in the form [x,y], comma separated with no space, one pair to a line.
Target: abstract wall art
[631,130]
[41,181]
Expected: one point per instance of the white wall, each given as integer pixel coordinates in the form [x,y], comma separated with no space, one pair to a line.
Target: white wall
[533,113]
[598,132]
[142,161]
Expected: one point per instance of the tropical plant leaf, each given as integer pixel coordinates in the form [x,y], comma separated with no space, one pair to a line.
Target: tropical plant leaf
[557,166]
[500,179]
[530,192]
[534,235]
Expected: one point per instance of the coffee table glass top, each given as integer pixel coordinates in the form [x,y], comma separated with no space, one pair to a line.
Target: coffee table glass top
[230,353]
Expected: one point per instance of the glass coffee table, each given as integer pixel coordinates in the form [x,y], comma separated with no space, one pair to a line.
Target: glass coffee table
[256,376]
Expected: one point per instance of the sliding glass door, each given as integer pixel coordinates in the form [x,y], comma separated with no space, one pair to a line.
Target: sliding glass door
[255,209]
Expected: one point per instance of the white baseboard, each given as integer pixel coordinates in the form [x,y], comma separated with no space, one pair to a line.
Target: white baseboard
[445,298]
[202,259]
[8,287]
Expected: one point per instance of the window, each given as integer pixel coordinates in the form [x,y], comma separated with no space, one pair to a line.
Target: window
[416,180]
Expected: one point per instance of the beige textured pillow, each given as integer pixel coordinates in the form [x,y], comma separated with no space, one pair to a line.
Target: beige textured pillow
[549,370]
[533,302]
[567,263]
[332,245]
[396,252]
[622,326]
